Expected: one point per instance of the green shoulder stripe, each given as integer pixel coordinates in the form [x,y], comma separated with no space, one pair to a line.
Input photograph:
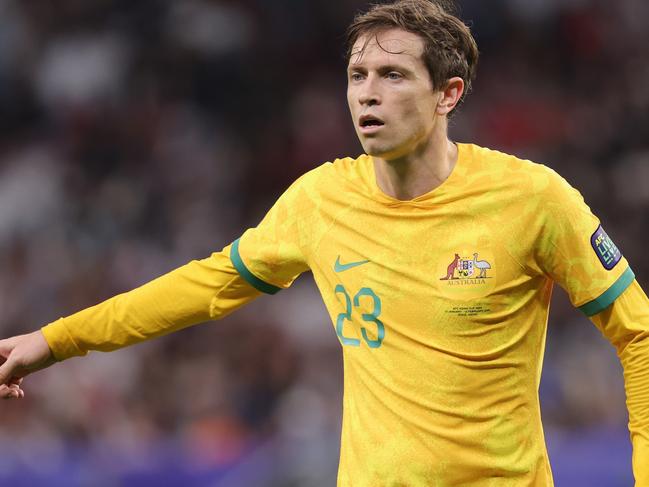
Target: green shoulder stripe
[253,280]
[611,294]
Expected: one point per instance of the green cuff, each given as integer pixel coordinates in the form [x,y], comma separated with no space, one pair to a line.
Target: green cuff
[599,304]
[253,280]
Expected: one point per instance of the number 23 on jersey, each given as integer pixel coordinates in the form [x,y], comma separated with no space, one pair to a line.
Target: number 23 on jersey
[372,335]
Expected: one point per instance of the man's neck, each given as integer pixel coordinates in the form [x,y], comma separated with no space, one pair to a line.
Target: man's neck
[418,172]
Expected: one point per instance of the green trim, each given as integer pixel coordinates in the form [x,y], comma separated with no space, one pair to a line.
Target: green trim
[598,305]
[253,280]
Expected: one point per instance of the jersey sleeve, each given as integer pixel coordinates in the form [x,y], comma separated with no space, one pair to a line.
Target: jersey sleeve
[273,254]
[626,324]
[199,291]
[575,251]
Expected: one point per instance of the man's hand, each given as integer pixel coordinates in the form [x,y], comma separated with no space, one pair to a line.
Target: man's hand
[20,356]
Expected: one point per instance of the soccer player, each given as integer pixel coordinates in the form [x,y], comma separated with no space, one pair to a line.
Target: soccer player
[436,262]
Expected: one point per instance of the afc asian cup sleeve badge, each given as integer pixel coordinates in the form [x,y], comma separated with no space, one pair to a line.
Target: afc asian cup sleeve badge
[607,252]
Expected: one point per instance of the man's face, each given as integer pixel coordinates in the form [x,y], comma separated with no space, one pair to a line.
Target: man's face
[390,93]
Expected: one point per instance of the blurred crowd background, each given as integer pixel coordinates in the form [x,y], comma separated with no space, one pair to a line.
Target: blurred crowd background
[136,136]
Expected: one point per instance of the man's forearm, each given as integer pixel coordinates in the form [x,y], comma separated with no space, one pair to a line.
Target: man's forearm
[199,291]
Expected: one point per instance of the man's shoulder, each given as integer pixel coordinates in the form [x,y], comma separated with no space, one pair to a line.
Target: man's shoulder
[352,169]
[496,159]
[342,166]
[525,173]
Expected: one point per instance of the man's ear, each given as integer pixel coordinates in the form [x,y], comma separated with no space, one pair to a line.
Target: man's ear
[450,95]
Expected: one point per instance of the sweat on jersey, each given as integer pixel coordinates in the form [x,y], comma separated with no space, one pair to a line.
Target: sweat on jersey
[440,304]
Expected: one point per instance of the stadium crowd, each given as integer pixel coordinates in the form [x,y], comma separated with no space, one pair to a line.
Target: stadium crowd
[136,136]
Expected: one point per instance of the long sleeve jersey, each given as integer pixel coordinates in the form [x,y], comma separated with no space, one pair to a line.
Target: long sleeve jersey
[440,304]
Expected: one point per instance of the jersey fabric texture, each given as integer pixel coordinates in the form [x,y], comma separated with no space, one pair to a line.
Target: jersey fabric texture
[440,304]
[443,315]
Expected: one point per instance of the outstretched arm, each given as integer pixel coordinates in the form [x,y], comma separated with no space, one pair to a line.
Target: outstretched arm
[266,258]
[199,291]
[626,324]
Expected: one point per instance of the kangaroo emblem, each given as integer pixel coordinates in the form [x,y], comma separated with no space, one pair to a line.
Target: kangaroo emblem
[450,270]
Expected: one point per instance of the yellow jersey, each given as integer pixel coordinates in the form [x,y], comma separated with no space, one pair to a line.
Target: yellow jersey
[440,304]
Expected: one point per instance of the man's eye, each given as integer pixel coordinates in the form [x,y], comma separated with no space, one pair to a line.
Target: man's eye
[394,75]
[356,76]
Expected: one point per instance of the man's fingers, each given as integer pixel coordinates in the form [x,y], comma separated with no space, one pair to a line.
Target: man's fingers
[11,392]
[18,392]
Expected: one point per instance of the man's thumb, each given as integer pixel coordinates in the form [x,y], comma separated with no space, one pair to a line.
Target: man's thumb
[8,365]
[6,371]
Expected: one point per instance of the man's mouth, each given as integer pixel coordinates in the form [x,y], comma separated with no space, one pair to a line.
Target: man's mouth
[370,124]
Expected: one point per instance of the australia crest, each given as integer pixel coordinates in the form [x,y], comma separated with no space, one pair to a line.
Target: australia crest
[464,267]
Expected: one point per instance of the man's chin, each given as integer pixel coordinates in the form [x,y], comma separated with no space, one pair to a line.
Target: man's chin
[376,150]
[386,153]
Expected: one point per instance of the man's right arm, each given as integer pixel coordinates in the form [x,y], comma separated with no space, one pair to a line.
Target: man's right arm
[202,290]
[196,292]
[266,258]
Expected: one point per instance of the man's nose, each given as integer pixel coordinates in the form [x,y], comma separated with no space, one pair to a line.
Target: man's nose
[369,94]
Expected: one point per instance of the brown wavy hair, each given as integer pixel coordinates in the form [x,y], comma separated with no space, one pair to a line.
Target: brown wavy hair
[449,47]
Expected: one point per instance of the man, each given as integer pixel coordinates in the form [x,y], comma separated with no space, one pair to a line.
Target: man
[435,261]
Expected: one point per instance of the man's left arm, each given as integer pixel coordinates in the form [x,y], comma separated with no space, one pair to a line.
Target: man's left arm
[626,325]
[573,249]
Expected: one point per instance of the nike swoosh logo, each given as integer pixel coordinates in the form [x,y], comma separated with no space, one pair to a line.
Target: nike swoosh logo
[338,267]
